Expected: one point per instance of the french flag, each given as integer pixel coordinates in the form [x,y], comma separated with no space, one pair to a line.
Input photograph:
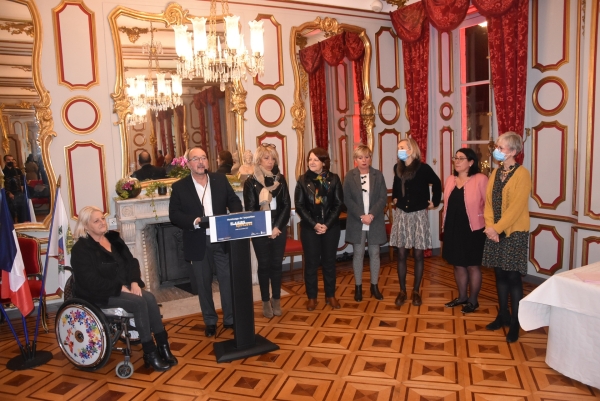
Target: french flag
[14,279]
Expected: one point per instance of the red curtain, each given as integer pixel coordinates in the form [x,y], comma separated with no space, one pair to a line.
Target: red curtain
[200,103]
[446,15]
[170,141]
[163,137]
[332,50]
[212,97]
[507,36]
[412,26]
[180,122]
[355,52]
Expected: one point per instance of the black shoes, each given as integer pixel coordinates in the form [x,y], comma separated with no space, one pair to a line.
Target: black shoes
[165,352]
[416,299]
[469,308]
[401,298]
[154,359]
[228,326]
[358,292]
[513,331]
[456,302]
[501,320]
[375,292]
[210,330]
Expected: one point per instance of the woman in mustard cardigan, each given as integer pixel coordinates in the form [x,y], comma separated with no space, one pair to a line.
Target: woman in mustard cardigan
[507,229]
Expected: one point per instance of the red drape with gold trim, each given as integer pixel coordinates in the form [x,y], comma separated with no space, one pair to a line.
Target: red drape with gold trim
[355,51]
[200,103]
[412,27]
[446,15]
[212,97]
[179,111]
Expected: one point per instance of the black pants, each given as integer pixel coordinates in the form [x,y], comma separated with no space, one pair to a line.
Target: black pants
[320,250]
[215,261]
[145,312]
[269,254]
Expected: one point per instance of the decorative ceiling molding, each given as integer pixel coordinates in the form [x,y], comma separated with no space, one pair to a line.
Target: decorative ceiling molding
[134,33]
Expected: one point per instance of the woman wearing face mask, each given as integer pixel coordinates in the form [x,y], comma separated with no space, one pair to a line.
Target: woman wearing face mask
[410,194]
[318,199]
[507,230]
[464,200]
[268,190]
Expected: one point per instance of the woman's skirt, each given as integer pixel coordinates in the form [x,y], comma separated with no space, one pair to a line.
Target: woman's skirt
[411,230]
[510,254]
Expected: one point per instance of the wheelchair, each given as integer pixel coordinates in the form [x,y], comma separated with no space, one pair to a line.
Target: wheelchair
[87,334]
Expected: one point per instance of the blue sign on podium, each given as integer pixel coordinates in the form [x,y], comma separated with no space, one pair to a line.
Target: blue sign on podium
[233,226]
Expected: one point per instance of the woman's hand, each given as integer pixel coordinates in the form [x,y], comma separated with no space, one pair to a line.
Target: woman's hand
[394,201]
[125,289]
[430,205]
[275,233]
[367,219]
[492,234]
[135,289]
[320,228]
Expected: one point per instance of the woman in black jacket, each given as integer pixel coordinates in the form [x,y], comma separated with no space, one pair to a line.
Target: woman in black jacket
[268,190]
[410,194]
[318,199]
[107,274]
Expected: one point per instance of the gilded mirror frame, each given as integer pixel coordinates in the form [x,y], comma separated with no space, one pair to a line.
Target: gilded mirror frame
[174,14]
[42,113]
[330,26]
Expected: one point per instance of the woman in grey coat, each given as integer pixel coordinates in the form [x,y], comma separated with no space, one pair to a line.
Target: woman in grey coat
[365,196]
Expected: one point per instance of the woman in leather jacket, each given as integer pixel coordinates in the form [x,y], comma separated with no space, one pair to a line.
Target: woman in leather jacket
[267,189]
[319,199]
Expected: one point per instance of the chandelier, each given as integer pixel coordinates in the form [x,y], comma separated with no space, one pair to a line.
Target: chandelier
[201,54]
[142,93]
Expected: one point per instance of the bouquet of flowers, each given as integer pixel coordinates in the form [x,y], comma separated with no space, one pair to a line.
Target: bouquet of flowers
[181,169]
[128,188]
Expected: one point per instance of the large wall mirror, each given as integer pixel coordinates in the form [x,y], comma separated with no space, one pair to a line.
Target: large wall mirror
[210,115]
[26,122]
[332,107]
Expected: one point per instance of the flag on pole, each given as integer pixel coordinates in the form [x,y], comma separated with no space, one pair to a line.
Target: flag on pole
[14,278]
[61,241]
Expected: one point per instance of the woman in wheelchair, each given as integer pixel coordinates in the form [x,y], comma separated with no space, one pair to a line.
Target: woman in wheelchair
[107,274]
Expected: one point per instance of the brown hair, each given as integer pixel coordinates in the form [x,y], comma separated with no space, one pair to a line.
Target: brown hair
[321,155]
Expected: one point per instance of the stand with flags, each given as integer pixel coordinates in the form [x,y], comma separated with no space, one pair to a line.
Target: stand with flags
[14,280]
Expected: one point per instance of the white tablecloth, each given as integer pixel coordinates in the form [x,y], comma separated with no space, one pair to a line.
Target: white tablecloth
[571,309]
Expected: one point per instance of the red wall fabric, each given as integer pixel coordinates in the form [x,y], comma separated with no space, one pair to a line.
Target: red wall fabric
[446,15]
[200,103]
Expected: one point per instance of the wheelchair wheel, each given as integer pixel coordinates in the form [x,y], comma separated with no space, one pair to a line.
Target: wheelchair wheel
[124,369]
[83,334]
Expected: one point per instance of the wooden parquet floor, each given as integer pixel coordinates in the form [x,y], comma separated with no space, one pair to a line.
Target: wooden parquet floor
[367,351]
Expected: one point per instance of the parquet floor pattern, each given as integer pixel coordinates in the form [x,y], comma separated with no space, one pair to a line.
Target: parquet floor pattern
[367,351]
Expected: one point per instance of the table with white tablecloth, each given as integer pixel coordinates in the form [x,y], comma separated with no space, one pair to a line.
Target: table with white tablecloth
[570,307]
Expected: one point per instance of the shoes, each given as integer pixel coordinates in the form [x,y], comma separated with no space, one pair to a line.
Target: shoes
[267,309]
[311,304]
[210,330]
[165,352]
[469,308]
[416,299]
[513,331]
[401,298]
[276,305]
[228,326]
[375,292]
[153,359]
[501,320]
[358,292]
[456,302]
[331,301]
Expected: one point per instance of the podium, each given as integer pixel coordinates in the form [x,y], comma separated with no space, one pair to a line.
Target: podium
[246,342]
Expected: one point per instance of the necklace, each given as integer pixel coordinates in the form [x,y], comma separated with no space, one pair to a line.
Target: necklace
[505,172]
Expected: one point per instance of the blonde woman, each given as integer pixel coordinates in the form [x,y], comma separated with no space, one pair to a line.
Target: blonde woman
[365,196]
[107,274]
[267,189]
[411,195]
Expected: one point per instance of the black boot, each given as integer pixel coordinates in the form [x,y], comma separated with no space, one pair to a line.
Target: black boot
[152,358]
[163,348]
[375,292]
[503,319]
[358,292]
[513,331]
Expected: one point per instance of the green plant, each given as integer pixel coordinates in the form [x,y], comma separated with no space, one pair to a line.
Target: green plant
[128,188]
[151,190]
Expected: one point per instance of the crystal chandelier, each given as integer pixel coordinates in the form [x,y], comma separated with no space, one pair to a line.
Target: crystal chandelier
[201,54]
[142,93]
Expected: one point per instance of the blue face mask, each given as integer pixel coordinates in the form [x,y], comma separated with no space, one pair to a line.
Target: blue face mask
[499,155]
[402,155]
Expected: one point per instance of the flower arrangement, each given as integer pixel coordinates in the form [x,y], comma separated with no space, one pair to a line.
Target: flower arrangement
[181,169]
[128,188]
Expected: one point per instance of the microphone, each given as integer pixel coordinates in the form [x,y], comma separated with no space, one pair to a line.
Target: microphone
[206,171]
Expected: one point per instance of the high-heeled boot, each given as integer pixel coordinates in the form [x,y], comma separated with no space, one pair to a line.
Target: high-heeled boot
[358,292]
[375,292]
[163,348]
[152,358]
[503,319]
[513,331]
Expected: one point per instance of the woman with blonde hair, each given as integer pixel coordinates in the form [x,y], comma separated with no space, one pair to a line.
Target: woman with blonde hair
[107,274]
[267,189]
[411,195]
[365,196]
[507,229]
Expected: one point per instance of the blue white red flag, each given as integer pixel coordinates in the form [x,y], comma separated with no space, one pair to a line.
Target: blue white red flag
[61,240]
[14,278]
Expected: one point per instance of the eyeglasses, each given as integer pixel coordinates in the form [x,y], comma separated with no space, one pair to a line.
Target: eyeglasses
[196,159]
[267,145]
[459,159]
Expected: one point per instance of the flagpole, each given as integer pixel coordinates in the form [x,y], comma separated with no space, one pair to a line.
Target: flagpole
[10,326]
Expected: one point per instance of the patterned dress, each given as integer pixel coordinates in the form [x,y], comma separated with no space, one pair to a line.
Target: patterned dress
[510,253]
